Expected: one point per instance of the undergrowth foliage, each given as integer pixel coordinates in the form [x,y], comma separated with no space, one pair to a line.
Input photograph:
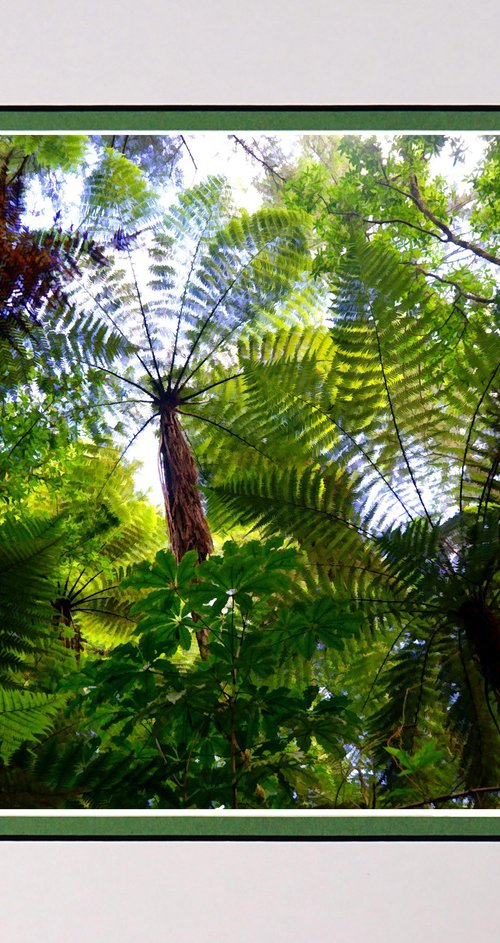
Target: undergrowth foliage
[223,731]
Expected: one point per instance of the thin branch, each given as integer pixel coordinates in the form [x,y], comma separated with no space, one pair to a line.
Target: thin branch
[18,172]
[384,662]
[118,460]
[115,402]
[186,145]
[423,672]
[453,795]
[108,612]
[75,584]
[260,160]
[488,485]
[96,366]
[25,433]
[470,295]
[204,326]
[450,235]
[217,305]
[72,594]
[98,592]
[360,449]
[117,327]
[328,514]
[398,602]
[212,351]
[387,222]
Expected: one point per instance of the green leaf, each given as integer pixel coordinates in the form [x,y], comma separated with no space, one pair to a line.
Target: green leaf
[185,637]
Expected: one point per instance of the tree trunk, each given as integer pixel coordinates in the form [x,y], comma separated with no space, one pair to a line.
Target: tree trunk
[186,523]
[483,632]
[65,617]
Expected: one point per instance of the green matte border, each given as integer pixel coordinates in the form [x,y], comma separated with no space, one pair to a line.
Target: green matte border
[366,825]
[249,118]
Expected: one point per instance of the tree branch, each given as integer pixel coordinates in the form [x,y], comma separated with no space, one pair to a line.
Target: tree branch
[470,295]
[386,222]
[449,235]
[256,157]
[452,795]
[186,145]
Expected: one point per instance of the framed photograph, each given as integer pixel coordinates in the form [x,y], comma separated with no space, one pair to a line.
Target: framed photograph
[250,365]
[249,628]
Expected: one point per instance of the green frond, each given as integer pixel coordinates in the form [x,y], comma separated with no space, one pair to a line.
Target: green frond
[25,716]
[309,504]
[104,618]
[29,555]
[211,273]
[117,195]
[422,397]
[81,336]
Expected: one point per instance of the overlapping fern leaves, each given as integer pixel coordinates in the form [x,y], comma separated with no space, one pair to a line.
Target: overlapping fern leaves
[29,555]
[210,272]
[391,481]
[383,396]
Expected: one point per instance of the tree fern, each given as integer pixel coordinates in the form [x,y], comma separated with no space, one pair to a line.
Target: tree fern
[211,273]
[399,422]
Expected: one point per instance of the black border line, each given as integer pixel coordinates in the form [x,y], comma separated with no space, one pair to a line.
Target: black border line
[250,108]
[254,839]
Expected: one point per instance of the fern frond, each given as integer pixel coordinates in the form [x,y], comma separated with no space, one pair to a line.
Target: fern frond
[29,556]
[305,503]
[25,716]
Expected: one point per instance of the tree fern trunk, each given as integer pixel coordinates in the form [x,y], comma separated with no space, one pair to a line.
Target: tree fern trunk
[477,731]
[482,628]
[186,523]
[65,617]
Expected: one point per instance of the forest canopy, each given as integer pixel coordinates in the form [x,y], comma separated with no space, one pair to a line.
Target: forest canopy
[249,471]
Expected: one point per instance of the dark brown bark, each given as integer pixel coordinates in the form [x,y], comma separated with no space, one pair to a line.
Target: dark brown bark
[449,235]
[65,617]
[186,522]
[482,628]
